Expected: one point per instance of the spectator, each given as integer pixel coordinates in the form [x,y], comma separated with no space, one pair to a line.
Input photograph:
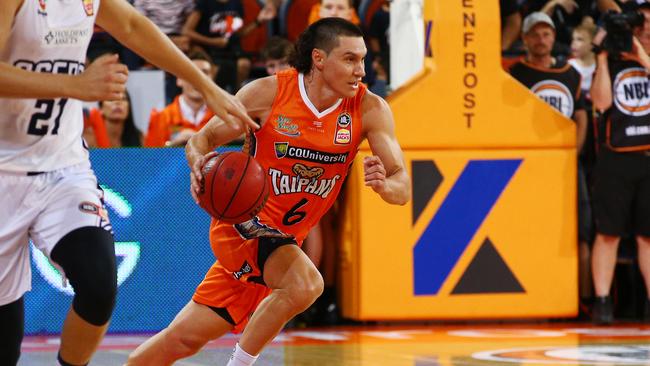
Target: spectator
[622,174]
[275,54]
[218,25]
[378,44]
[102,43]
[169,16]
[539,67]
[187,114]
[558,84]
[510,23]
[584,61]
[111,125]
[583,58]
[566,14]
[334,8]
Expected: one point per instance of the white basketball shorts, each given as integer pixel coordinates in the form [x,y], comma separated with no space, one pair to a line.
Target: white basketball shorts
[42,207]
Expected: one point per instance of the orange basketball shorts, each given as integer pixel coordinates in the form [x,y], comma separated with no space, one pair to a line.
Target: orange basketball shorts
[235,281]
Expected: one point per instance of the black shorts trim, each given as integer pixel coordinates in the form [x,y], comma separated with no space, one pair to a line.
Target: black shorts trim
[223,312]
[265,247]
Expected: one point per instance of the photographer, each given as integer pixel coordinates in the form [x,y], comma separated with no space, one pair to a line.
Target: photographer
[622,174]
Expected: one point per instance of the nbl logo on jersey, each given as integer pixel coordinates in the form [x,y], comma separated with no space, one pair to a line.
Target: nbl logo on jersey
[556,94]
[631,94]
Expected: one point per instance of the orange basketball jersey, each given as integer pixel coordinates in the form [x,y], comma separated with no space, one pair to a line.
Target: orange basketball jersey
[306,154]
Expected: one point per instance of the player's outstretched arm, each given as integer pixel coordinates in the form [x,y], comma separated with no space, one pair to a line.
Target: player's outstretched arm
[257,97]
[139,34]
[385,172]
[103,80]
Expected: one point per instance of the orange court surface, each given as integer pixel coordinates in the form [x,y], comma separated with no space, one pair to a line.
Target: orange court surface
[449,345]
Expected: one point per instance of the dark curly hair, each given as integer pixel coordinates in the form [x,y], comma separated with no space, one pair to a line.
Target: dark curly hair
[323,34]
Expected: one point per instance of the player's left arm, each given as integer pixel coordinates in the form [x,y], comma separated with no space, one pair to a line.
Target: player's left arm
[139,34]
[385,171]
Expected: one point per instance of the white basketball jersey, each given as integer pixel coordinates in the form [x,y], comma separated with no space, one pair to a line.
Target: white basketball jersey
[49,36]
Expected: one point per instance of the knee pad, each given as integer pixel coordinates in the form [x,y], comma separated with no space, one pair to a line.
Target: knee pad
[12,318]
[87,255]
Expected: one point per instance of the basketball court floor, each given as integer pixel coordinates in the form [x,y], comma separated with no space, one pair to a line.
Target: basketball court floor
[482,345]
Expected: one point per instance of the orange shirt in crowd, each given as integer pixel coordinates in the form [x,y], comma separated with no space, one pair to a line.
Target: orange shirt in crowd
[95,121]
[164,124]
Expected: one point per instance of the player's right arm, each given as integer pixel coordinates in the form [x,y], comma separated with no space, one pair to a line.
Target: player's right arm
[257,97]
[105,79]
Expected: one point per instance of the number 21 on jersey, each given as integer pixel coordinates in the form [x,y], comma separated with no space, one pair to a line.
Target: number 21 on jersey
[45,108]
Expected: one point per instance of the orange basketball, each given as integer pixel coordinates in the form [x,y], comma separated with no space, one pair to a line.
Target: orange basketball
[235,187]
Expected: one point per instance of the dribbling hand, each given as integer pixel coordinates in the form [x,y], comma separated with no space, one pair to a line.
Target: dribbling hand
[104,79]
[196,175]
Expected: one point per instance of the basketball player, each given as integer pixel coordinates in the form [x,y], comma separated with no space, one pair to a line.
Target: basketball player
[313,119]
[49,192]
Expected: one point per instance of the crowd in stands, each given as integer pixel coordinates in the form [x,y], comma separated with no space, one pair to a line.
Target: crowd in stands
[242,40]
[235,41]
[564,42]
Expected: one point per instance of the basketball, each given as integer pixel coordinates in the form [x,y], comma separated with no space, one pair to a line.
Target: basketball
[235,187]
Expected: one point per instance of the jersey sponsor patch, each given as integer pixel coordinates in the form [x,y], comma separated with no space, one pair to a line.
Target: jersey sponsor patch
[631,94]
[286,126]
[343,134]
[69,67]
[308,172]
[245,268]
[343,137]
[66,37]
[42,7]
[316,126]
[305,180]
[92,208]
[555,94]
[284,149]
[344,119]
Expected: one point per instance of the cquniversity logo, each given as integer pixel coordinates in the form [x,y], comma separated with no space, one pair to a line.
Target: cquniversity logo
[129,250]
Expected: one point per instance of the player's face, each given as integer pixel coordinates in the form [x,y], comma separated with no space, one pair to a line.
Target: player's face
[116,110]
[188,90]
[343,67]
[273,66]
[580,44]
[336,9]
[539,40]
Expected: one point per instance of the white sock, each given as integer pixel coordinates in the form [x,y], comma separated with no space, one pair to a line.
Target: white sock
[239,357]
